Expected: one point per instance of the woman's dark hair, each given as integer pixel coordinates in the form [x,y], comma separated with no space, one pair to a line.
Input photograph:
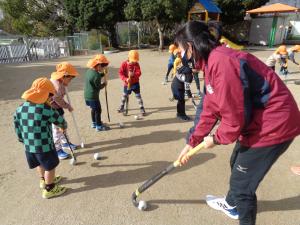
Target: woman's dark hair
[203,37]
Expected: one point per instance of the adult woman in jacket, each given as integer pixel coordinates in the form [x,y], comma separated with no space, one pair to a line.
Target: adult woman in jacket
[256,110]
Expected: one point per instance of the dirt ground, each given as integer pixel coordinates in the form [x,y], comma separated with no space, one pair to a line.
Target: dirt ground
[99,191]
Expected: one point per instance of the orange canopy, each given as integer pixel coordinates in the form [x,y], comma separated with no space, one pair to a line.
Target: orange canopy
[274,8]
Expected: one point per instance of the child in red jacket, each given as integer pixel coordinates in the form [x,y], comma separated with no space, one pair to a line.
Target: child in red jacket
[130,73]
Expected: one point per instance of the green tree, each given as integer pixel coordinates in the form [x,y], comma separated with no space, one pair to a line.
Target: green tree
[165,13]
[95,14]
[234,10]
[33,17]
[16,17]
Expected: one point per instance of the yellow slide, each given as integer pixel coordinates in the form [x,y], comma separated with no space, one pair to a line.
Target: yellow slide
[230,44]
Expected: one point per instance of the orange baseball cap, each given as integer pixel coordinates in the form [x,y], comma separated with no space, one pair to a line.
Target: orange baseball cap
[133,56]
[64,69]
[296,48]
[39,91]
[281,50]
[172,47]
[98,59]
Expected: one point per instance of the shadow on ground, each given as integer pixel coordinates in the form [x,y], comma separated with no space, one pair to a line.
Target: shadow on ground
[286,204]
[140,140]
[131,176]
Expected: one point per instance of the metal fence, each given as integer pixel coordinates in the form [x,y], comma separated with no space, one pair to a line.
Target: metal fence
[14,54]
[78,43]
[48,48]
[33,49]
[128,33]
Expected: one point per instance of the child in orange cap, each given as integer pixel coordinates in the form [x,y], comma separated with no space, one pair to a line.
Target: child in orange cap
[282,52]
[32,122]
[177,62]
[280,55]
[92,87]
[60,79]
[291,53]
[130,73]
[172,58]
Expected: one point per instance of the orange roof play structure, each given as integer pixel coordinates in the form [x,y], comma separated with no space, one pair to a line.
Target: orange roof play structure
[274,8]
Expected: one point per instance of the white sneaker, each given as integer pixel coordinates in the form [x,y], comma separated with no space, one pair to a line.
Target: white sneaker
[218,203]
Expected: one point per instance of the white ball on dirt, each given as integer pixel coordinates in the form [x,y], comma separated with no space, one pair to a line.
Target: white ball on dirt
[97,156]
[72,161]
[136,117]
[142,205]
[121,125]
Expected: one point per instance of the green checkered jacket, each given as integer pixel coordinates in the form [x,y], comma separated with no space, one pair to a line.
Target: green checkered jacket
[33,126]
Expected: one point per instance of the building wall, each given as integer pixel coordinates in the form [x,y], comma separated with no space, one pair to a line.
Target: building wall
[261,26]
[294,24]
[259,31]
[280,30]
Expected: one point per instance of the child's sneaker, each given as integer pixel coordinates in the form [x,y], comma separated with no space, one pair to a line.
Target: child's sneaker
[171,99]
[102,128]
[164,82]
[221,204]
[62,154]
[93,125]
[65,146]
[183,117]
[56,180]
[56,191]
[121,109]
[143,112]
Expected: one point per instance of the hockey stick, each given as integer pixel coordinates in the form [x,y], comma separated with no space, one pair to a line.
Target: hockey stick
[126,105]
[161,174]
[74,121]
[107,108]
[73,160]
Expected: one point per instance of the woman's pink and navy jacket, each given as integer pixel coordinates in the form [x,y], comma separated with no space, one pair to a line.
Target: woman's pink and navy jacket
[251,101]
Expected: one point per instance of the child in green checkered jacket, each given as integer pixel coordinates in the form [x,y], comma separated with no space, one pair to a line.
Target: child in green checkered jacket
[33,120]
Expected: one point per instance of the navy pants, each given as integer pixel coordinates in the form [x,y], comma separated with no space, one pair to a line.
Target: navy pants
[178,93]
[248,168]
[96,111]
[170,67]
[137,91]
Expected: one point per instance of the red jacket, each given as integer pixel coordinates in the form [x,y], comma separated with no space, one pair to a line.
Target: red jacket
[253,104]
[123,72]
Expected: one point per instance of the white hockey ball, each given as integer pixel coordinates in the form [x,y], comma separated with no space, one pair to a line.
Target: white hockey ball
[72,161]
[142,205]
[97,156]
